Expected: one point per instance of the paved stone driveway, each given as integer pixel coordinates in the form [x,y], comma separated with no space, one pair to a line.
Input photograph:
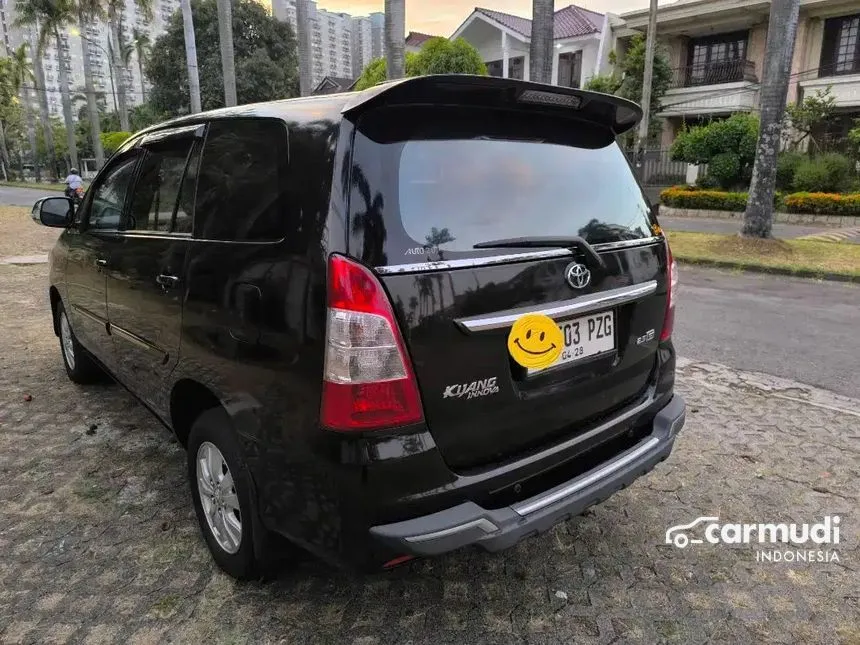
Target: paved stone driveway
[99,544]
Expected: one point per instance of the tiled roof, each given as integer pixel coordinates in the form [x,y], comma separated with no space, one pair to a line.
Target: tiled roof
[416,38]
[569,22]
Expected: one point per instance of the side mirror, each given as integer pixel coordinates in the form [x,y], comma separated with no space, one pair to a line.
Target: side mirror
[56,212]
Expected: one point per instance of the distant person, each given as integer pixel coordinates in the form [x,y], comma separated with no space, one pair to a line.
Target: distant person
[73,182]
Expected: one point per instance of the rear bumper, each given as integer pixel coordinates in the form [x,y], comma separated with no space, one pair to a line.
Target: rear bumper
[496,529]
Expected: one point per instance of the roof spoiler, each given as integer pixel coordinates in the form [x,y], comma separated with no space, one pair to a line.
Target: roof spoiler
[617,114]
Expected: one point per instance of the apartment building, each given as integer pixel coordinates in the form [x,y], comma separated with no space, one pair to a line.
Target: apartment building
[582,43]
[106,78]
[716,50]
[342,45]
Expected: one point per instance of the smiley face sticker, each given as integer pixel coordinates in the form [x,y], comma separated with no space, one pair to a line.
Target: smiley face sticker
[535,341]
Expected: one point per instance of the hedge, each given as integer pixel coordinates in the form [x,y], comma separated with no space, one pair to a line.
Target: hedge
[823,203]
[804,203]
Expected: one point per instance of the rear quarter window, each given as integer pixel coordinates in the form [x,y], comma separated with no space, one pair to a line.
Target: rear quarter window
[429,191]
[241,183]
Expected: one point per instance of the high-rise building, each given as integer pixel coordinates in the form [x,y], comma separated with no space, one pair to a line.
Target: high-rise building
[105,77]
[341,44]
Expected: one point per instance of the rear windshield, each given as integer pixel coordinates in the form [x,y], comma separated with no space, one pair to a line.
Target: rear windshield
[427,193]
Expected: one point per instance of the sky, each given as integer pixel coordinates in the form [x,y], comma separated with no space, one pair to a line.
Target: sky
[442,17]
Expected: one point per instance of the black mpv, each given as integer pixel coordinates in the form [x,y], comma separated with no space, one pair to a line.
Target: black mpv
[386,324]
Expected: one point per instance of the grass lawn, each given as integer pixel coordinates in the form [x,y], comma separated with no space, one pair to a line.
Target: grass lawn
[33,184]
[800,257]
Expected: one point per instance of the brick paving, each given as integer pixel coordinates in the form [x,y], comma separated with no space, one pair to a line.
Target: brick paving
[100,545]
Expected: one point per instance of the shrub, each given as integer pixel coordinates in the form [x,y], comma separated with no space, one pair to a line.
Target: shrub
[786,166]
[111,141]
[681,197]
[725,169]
[829,173]
[736,135]
[823,203]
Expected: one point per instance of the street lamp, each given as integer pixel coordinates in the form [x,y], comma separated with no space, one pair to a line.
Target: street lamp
[75,32]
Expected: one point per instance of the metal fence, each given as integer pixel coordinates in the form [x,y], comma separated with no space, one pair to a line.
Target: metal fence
[657,168]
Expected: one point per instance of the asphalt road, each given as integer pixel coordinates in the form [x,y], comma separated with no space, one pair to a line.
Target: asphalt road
[14,196]
[805,330]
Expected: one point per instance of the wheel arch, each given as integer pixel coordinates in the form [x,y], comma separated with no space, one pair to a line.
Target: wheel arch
[188,400]
[54,295]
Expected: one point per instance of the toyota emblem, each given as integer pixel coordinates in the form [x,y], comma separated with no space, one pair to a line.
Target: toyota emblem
[577,275]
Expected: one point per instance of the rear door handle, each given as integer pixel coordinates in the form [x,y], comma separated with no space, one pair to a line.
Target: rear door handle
[101,262]
[167,281]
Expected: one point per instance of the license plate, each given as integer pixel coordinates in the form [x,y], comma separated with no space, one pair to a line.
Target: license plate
[585,337]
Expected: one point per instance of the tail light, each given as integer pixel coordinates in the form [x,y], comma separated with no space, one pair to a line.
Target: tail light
[368,383]
[671,294]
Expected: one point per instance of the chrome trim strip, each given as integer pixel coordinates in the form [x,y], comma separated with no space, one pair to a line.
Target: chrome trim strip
[485,525]
[582,304]
[536,504]
[489,260]
[88,314]
[626,244]
[465,263]
[135,339]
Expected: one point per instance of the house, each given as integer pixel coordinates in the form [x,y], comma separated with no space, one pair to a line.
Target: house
[333,85]
[716,51]
[581,43]
[415,41]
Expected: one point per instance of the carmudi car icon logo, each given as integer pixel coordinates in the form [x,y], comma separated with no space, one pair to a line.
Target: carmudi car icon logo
[769,536]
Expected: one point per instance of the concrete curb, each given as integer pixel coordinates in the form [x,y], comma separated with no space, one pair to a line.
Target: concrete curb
[758,268]
[828,221]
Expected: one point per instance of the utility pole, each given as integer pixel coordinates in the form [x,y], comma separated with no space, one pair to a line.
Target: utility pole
[781,32]
[303,37]
[647,76]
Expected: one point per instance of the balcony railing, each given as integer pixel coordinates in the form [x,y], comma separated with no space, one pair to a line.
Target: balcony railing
[715,73]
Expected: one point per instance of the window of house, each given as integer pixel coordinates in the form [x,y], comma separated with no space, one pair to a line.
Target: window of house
[516,67]
[569,69]
[717,59]
[840,53]
[241,183]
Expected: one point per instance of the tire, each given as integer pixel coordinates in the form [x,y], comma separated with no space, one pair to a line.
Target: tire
[80,366]
[227,515]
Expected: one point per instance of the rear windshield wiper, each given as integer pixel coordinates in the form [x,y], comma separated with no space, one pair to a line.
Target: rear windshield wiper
[552,242]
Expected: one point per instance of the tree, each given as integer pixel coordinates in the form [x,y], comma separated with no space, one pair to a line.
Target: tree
[808,117]
[88,11]
[191,56]
[117,45]
[443,56]
[303,26]
[141,43]
[727,146]
[264,50]
[395,38]
[23,72]
[438,56]
[8,100]
[632,67]
[50,16]
[225,39]
[781,31]
[47,131]
[540,50]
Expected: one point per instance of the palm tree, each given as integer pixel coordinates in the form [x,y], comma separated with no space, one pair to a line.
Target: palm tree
[781,32]
[191,56]
[115,9]
[141,43]
[395,38]
[53,15]
[7,100]
[44,114]
[303,26]
[540,51]
[88,12]
[23,73]
[228,65]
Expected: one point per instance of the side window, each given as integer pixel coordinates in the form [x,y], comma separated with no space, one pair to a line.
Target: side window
[159,182]
[185,207]
[108,196]
[241,184]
